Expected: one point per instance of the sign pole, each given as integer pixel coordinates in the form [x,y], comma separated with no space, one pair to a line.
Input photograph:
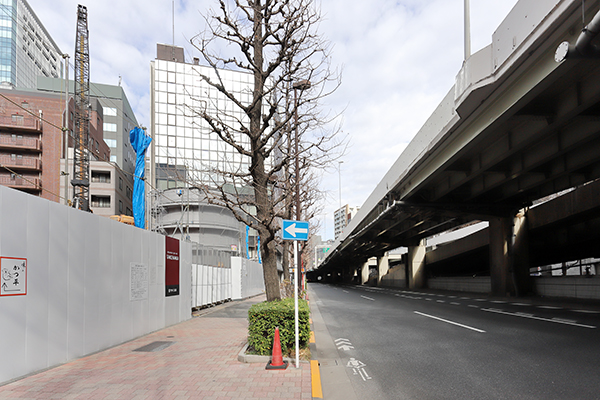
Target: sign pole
[296,302]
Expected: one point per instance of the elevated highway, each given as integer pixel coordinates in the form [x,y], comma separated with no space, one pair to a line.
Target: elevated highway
[516,127]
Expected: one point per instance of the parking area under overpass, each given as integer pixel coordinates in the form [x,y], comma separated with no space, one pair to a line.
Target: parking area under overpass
[517,128]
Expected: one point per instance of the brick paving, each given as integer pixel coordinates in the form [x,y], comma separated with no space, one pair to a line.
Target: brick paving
[200,364]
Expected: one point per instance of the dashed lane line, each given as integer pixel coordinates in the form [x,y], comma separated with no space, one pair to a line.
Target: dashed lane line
[450,322]
[523,315]
[368,298]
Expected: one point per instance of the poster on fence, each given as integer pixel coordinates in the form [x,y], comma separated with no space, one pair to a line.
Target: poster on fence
[138,282]
[13,278]
[172,267]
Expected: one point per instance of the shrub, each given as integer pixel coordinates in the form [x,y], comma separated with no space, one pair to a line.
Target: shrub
[264,317]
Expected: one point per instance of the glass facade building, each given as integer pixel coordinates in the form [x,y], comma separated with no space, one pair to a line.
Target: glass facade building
[26,49]
[185,149]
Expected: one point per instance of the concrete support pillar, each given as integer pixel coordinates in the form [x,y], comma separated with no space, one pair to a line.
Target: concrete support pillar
[500,232]
[416,266]
[364,273]
[383,267]
[520,255]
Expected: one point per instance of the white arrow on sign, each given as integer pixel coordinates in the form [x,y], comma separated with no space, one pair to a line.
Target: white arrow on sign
[292,230]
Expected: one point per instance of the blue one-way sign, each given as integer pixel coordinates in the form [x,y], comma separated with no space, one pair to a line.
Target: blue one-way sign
[295,230]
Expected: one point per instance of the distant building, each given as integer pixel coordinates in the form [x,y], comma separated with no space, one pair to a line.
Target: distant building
[117,116]
[342,217]
[30,148]
[184,150]
[26,49]
[109,195]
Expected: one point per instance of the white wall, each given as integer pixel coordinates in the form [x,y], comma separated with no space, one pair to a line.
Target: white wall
[78,284]
[247,278]
[577,287]
[210,285]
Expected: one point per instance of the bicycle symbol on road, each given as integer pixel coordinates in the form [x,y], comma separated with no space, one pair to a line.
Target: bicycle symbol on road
[358,368]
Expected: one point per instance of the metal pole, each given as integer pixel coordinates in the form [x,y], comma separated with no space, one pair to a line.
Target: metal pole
[340,178]
[297,155]
[296,303]
[467,30]
[66,144]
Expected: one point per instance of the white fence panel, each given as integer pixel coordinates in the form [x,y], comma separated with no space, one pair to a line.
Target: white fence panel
[77,299]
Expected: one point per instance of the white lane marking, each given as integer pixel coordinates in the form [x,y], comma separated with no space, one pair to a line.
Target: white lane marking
[499,301]
[451,322]
[368,298]
[538,318]
[440,301]
[479,299]
[473,306]
[345,291]
[428,299]
[572,321]
[520,304]
[587,311]
[455,303]
[550,307]
[397,295]
[465,298]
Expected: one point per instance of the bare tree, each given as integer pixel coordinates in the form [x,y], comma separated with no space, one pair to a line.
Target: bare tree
[277,42]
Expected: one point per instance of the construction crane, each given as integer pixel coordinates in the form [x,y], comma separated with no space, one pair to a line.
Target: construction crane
[81,130]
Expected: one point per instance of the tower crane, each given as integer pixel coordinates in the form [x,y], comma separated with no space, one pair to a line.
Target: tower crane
[81,129]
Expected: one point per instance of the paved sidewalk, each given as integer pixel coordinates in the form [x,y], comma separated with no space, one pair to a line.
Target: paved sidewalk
[201,363]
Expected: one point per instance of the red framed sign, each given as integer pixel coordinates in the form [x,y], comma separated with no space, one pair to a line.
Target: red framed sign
[171,267]
[13,276]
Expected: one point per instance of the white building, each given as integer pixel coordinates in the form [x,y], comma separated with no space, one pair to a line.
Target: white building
[342,217]
[185,152]
[183,146]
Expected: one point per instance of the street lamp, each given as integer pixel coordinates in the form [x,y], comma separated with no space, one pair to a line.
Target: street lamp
[300,85]
[340,176]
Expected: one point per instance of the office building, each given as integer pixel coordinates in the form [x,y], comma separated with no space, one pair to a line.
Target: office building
[184,152]
[342,218]
[26,49]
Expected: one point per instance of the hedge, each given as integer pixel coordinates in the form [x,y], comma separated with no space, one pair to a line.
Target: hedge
[264,317]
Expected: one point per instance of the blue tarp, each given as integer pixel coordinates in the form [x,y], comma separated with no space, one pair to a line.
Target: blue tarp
[140,142]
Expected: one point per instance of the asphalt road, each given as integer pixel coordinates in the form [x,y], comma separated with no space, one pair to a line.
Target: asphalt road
[400,344]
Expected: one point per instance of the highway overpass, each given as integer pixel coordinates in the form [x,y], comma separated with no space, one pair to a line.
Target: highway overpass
[517,127]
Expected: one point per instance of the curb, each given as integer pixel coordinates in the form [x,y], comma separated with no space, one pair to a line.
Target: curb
[254,358]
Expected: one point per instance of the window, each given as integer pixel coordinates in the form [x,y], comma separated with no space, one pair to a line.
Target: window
[110,111]
[120,183]
[128,192]
[120,207]
[111,143]
[100,201]
[110,127]
[113,159]
[101,176]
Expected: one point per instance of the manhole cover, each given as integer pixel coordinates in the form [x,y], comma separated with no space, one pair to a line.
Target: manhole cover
[154,347]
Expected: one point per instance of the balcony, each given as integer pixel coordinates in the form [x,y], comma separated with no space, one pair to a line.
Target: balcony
[16,182]
[20,143]
[22,123]
[21,163]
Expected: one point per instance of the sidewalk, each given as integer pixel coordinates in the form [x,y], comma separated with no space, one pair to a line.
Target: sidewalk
[200,362]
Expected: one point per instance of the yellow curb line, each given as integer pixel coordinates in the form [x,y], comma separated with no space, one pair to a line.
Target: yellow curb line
[315,377]
[312,337]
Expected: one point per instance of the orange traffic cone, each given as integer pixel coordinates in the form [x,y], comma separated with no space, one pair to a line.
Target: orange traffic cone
[276,361]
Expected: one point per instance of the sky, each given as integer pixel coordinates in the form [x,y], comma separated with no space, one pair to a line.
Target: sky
[398,59]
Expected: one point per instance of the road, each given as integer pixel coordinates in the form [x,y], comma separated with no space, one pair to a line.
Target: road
[401,344]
